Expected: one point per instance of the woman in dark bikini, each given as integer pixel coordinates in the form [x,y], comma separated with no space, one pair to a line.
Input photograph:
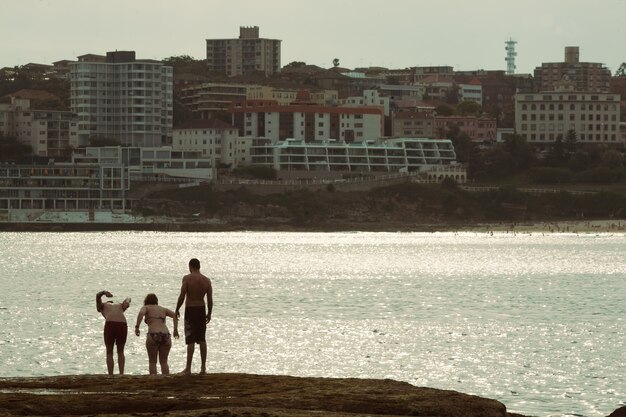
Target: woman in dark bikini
[158,339]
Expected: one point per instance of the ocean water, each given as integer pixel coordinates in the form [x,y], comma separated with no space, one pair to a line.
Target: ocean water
[535,321]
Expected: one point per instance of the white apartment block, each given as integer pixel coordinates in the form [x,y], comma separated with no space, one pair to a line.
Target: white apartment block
[369,98]
[248,54]
[368,156]
[207,99]
[543,117]
[268,119]
[471,92]
[142,162]
[122,98]
[215,140]
[49,132]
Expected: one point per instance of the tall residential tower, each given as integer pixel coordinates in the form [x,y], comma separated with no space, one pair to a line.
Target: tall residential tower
[122,98]
[248,54]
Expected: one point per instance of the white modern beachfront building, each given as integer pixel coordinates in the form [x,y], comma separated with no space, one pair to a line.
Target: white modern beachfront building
[150,162]
[365,157]
[63,187]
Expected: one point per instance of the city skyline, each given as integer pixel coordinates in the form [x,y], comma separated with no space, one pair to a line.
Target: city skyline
[464,35]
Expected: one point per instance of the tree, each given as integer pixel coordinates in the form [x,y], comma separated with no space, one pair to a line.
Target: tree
[444,110]
[187,64]
[182,114]
[521,153]
[570,141]
[611,158]
[295,64]
[463,147]
[556,155]
[452,95]
[336,62]
[468,108]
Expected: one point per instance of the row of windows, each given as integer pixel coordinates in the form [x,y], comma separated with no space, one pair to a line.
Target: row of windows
[218,141]
[572,106]
[561,126]
[583,137]
[572,117]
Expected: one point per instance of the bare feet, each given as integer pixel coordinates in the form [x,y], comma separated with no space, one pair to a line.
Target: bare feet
[202,372]
[185,372]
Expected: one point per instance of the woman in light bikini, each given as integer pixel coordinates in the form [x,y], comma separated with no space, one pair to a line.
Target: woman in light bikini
[158,339]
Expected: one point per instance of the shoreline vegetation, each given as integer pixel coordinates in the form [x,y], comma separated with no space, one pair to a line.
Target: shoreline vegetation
[237,395]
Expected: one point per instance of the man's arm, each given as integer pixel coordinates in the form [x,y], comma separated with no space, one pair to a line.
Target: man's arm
[99,304]
[181,297]
[171,314]
[209,302]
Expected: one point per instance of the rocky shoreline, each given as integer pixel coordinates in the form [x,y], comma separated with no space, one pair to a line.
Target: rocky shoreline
[236,395]
[230,395]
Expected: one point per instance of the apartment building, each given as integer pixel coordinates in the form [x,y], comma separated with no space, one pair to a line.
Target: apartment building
[438,86]
[308,122]
[248,54]
[586,76]
[323,158]
[207,99]
[369,98]
[50,133]
[148,162]
[63,187]
[544,117]
[122,98]
[471,91]
[479,129]
[213,139]
[413,124]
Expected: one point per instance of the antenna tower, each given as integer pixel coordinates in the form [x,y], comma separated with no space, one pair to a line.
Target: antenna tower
[510,56]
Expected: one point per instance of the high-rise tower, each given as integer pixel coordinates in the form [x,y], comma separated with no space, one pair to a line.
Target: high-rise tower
[510,56]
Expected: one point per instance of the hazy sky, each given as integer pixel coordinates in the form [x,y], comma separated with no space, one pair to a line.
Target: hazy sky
[465,34]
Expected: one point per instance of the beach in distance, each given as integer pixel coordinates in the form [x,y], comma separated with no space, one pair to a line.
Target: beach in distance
[164,224]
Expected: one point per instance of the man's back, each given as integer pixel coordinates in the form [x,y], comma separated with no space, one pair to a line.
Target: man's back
[198,286]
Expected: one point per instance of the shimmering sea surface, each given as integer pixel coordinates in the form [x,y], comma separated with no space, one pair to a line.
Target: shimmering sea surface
[535,321]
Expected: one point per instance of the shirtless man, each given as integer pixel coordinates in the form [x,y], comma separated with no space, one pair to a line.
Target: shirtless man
[115,328]
[195,287]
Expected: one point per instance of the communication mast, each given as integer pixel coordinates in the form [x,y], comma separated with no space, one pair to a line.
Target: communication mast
[510,56]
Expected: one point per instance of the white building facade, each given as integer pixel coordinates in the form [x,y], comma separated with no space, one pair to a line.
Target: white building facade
[471,92]
[49,132]
[122,98]
[544,117]
[370,98]
[371,156]
[215,140]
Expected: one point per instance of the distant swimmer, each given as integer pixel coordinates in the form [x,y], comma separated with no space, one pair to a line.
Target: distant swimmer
[197,315]
[115,328]
[158,338]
